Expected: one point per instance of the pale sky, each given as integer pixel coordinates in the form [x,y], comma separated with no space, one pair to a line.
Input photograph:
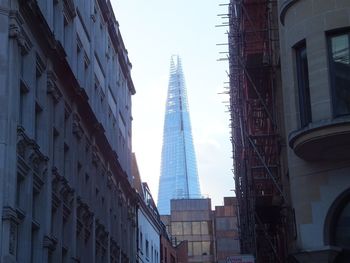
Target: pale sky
[154,30]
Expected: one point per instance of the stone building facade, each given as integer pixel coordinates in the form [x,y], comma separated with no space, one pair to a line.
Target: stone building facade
[65,134]
[315,41]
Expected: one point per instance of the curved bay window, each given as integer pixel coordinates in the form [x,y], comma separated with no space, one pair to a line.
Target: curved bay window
[339,60]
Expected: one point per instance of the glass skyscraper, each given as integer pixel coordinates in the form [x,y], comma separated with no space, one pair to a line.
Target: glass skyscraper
[179,176]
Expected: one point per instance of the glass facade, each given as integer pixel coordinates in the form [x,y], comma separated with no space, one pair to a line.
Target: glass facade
[179,176]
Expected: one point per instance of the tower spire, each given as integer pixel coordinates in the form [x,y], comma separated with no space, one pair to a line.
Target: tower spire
[179,176]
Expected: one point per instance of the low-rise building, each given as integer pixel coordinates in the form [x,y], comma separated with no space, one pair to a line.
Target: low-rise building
[191,220]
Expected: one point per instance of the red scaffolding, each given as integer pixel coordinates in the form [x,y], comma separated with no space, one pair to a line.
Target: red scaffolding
[253,60]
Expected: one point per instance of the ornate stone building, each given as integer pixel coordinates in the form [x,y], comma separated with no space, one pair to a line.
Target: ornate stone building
[65,134]
[315,42]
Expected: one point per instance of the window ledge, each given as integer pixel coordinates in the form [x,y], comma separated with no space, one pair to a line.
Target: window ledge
[324,140]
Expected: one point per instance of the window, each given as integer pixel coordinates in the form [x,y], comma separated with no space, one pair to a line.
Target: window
[147,248]
[197,248]
[342,230]
[204,228]
[37,122]
[122,126]
[206,248]
[141,246]
[196,228]
[187,227]
[339,228]
[190,248]
[339,56]
[112,101]
[176,228]
[303,85]
[226,223]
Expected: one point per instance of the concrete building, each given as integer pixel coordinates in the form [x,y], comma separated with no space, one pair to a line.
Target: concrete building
[226,230]
[314,41]
[210,236]
[191,220]
[65,136]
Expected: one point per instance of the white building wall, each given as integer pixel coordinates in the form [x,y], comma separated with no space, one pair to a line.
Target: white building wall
[148,234]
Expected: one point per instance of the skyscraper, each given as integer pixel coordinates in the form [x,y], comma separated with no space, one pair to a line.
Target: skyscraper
[179,177]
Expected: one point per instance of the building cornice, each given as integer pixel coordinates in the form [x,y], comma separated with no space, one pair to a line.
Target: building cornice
[117,41]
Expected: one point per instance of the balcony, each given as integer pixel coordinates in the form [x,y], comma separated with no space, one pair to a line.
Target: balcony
[326,140]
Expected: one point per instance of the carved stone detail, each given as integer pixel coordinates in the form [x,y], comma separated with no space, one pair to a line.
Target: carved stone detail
[85,217]
[77,129]
[49,243]
[95,157]
[9,213]
[69,8]
[16,32]
[52,88]
[40,64]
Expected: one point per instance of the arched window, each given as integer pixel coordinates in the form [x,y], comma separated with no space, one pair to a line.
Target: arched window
[337,228]
[342,227]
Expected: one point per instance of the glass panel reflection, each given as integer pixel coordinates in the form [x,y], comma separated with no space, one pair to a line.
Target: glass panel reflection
[177,228]
[196,228]
[187,227]
[197,248]
[204,228]
[340,74]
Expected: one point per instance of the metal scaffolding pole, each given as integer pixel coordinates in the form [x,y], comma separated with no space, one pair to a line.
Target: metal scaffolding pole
[255,139]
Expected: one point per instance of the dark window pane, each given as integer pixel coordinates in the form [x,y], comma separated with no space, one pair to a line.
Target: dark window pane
[303,86]
[226,223]
[340,74]
[342,233]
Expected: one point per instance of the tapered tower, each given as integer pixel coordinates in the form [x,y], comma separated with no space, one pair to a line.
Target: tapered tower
[179,176]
